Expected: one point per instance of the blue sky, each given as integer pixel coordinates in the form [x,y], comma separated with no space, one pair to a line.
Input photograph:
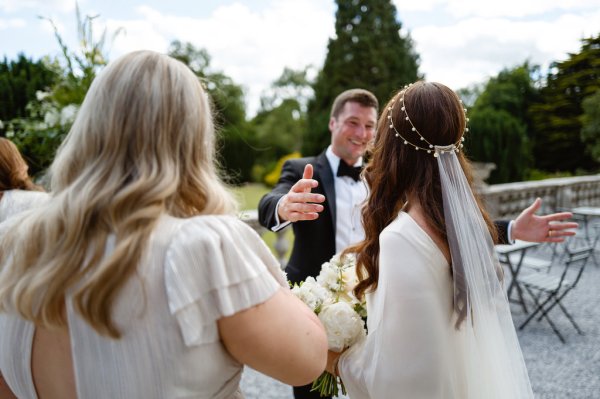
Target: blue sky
[461,42]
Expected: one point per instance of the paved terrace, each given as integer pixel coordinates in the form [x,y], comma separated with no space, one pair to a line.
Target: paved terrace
[556,370]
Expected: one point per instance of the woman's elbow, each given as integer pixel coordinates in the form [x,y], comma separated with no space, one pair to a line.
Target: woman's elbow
[314,359]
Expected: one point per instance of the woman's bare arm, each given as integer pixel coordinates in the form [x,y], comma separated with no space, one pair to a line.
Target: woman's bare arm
[281,338]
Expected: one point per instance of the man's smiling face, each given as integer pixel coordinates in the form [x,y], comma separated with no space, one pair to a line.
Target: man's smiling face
[352,130]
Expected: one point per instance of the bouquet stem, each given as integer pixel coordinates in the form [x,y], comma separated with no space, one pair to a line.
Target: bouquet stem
[327,385]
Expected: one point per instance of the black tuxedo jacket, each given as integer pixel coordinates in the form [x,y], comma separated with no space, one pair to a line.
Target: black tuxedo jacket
[314,240]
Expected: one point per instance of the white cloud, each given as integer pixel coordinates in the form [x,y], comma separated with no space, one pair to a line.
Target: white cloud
[251,46]
[10,6]
[494,8]
[473,49]
[12,23]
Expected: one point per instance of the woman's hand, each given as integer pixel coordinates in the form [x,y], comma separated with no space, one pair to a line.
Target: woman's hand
[5,392]
[332,362]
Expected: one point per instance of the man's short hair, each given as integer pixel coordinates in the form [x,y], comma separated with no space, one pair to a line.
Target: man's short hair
[360,96]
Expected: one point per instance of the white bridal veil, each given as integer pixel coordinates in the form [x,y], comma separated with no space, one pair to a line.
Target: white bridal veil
[495,368]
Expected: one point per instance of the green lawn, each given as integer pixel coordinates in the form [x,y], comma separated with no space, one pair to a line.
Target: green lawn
[249,195]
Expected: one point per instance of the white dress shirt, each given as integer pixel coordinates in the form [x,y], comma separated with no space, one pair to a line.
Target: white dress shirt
[349,198]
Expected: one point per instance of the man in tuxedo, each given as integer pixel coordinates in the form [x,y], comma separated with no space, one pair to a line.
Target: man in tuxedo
[321,197]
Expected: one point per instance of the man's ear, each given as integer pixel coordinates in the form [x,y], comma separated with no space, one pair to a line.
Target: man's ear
[332,122]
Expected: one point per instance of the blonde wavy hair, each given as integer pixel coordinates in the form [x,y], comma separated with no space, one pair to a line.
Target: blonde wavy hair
[142,145]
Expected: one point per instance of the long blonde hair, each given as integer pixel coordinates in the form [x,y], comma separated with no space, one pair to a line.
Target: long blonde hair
[142,145]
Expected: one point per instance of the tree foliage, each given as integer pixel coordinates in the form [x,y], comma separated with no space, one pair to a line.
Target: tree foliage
[280,123]
[500,123]
[367,52]
[50,115]
[557,118]
[500,138]
[20,79]
[590,125]
[236,141]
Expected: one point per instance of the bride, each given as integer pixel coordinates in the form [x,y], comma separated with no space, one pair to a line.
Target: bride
[439,322]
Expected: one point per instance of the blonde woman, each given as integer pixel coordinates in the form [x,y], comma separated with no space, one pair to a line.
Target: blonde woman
[134,280]
[17,191]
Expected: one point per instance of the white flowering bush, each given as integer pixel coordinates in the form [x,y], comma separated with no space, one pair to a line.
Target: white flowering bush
[330,296]
[51,114]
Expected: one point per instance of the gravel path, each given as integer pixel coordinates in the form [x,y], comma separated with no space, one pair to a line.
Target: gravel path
[556,370]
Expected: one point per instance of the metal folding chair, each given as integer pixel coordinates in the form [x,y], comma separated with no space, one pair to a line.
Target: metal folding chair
[548,290]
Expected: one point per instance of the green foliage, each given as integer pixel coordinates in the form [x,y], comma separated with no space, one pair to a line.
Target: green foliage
[279,130]
[590,125]
[237,141]
[281,122]
[536,174]
[50,116]
[499,137]
[19,81]
[273,177]
[499,123]
[557,118]
[367,52]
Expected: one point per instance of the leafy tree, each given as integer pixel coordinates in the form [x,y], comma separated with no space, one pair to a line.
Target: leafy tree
[590,121]
[236,138]
[368,52]
[498,137]
[280,123]
[19,81]
[50,116]
[557,119]
[500,123]
[291,85]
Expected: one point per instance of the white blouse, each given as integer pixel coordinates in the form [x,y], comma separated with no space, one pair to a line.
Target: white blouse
[194,272]
[17,201]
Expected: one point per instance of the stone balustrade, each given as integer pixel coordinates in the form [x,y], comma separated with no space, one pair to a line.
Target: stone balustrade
[509,199]
[503,201]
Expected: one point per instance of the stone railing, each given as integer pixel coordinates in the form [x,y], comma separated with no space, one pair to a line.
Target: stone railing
[503,201]
[281,244]
[508,200]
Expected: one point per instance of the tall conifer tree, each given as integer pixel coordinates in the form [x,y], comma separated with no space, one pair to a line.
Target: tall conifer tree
[557,118]
[367,52]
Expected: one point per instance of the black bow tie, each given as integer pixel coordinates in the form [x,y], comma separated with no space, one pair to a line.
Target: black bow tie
[346,170]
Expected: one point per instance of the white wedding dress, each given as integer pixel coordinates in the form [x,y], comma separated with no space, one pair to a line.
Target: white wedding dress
[412,349]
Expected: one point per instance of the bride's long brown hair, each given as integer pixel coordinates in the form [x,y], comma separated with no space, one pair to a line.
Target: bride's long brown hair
[397,171]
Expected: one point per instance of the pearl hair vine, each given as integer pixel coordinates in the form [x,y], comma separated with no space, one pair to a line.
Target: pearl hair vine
[436,149]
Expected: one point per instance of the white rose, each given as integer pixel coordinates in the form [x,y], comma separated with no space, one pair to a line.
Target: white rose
[329,277]
[312,294]
[343,325]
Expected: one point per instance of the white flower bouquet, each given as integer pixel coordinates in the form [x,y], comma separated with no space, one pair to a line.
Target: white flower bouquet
[330,296]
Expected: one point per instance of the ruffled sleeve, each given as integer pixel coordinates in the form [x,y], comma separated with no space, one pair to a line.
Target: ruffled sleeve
[217,266]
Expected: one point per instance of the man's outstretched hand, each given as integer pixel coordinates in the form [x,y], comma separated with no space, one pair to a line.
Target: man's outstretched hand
[299,203]
[549,228]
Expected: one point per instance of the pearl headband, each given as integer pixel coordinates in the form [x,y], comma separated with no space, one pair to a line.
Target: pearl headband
[430,147]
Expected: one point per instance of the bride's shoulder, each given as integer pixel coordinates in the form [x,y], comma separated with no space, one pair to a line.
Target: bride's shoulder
[401,224]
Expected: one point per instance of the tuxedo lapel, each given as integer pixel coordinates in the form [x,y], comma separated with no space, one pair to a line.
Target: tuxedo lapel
[323,170]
